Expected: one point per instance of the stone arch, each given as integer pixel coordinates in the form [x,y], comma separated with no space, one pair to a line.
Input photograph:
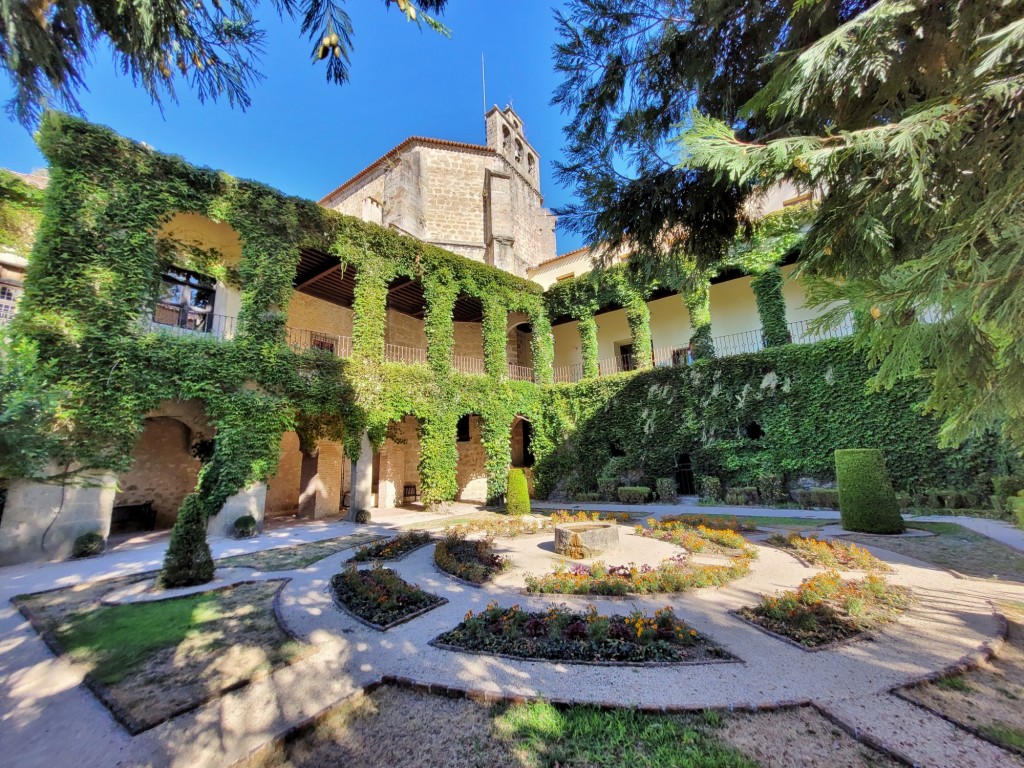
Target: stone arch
[164,460]
[519,346]
[521,431]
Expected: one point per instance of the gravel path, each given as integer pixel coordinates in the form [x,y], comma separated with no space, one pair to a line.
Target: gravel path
[48,717]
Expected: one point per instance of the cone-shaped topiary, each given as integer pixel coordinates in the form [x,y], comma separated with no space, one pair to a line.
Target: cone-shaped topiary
[517,498]
[867,502]
[188,560]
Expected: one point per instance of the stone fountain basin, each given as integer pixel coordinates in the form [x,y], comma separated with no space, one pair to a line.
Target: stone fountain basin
[593,538]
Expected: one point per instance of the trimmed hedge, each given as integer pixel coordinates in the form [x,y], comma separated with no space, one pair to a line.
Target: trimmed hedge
[634,494]
[666,488]
[245,527]
[517,500]
[867,502]
[710,488]
[821,498]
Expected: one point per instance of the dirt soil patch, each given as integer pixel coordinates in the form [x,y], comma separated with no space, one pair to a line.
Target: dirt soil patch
[297,555]
[990,698]
[801,736]
[151,661]
[955,548]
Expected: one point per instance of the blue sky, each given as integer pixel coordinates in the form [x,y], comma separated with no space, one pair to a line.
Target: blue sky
[306,136]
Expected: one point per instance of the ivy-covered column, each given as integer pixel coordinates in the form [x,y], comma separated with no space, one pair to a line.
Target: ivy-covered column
[496,434]
[638,315]
[439,456]
[698,304]
[543,347]
[588,346]
[771,307]
[438,322]
[495,339]
[369,311]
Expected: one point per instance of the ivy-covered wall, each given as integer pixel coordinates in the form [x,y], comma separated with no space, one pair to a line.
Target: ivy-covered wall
[83,355]
[21,207]
[783,410]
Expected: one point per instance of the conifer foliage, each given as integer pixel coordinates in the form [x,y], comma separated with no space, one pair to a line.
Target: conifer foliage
[907,120]
[45,45]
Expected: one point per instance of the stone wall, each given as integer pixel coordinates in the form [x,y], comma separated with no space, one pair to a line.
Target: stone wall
[163,470]
[399,463]
[471,475]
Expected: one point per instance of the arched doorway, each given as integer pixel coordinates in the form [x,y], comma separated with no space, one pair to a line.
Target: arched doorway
[686,482]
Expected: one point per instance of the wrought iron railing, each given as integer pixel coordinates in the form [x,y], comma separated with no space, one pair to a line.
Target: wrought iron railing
[221,327]
[471,365]
[802,333]
[301,339]
[395,353]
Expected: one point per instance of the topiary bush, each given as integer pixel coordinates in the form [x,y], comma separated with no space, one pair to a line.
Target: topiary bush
[771,489]
[245,527]
[188,560]
[867,502]
[710,488]
[363,516]
[606,487]
[743,495]
[88,545]
[634,494]
[589,498]
[517,499]
[666,488]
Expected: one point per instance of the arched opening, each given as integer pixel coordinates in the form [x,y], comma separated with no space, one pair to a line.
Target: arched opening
[165,464]
[468,336]
[522,456]
[320,310]
[396,470]
[405,339]
[506,139]
[471,471]
[519,152]
[686,483]
[531,164]
[519,347]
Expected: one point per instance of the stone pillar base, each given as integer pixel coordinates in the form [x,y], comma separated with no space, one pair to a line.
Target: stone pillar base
[362,478]
[249,501]
[41,521]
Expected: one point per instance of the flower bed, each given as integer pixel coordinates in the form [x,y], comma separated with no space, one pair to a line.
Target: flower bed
[510,527]
[393,548]
[564,635]
[672,575]
[380,597]
[473,561]
[826,609]
[717,523]
[696,539]
[561,517]
[829,554]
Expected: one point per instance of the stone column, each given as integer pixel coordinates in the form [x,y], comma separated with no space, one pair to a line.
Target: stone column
[362,477]
[42,520]
[248,501]
[320,485]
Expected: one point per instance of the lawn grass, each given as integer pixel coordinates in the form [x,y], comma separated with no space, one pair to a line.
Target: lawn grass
[544,737]
[954,547]
[297,555]
[151,661]
[441,523]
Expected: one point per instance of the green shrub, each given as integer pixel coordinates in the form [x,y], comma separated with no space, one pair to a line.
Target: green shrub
[710,488]
[1015,506]
[743,495]
[363,516]
[867,502]
[88,545]
[666,488]
[188,560]
[517,500]
[589,498]
[634,494]
[771,489]
[606,487]
[245,527]
[818,498]
[1004,488]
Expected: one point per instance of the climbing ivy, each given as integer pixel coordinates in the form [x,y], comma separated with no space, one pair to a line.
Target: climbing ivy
[21,208]
[771,307]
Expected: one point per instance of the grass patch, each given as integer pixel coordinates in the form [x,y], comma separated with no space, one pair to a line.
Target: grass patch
[297,555]
[953,547]
[561,634]
[151,661]
[826,609]
[1005,734]
[544,736]
[440,523]
[953,683]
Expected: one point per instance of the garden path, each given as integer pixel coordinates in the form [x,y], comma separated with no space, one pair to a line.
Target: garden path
[50,720]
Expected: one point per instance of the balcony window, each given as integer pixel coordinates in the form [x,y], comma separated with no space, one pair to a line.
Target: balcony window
[186,301]
[8,299]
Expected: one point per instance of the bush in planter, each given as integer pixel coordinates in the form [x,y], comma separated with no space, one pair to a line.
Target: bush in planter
[867,502]
[245,527]
[363,516]
[634,494]
[589,498]
[666,488]
[743,495]
[517,499]
[770,489]
[710,488]
[606,487]
[88,545]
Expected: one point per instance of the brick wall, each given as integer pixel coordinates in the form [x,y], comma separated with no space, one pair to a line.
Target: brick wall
[313,314]
[399,463]
[405,331]
[283,487]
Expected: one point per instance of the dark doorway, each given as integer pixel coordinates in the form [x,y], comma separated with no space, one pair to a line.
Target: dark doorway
[626,357]
[685,482]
